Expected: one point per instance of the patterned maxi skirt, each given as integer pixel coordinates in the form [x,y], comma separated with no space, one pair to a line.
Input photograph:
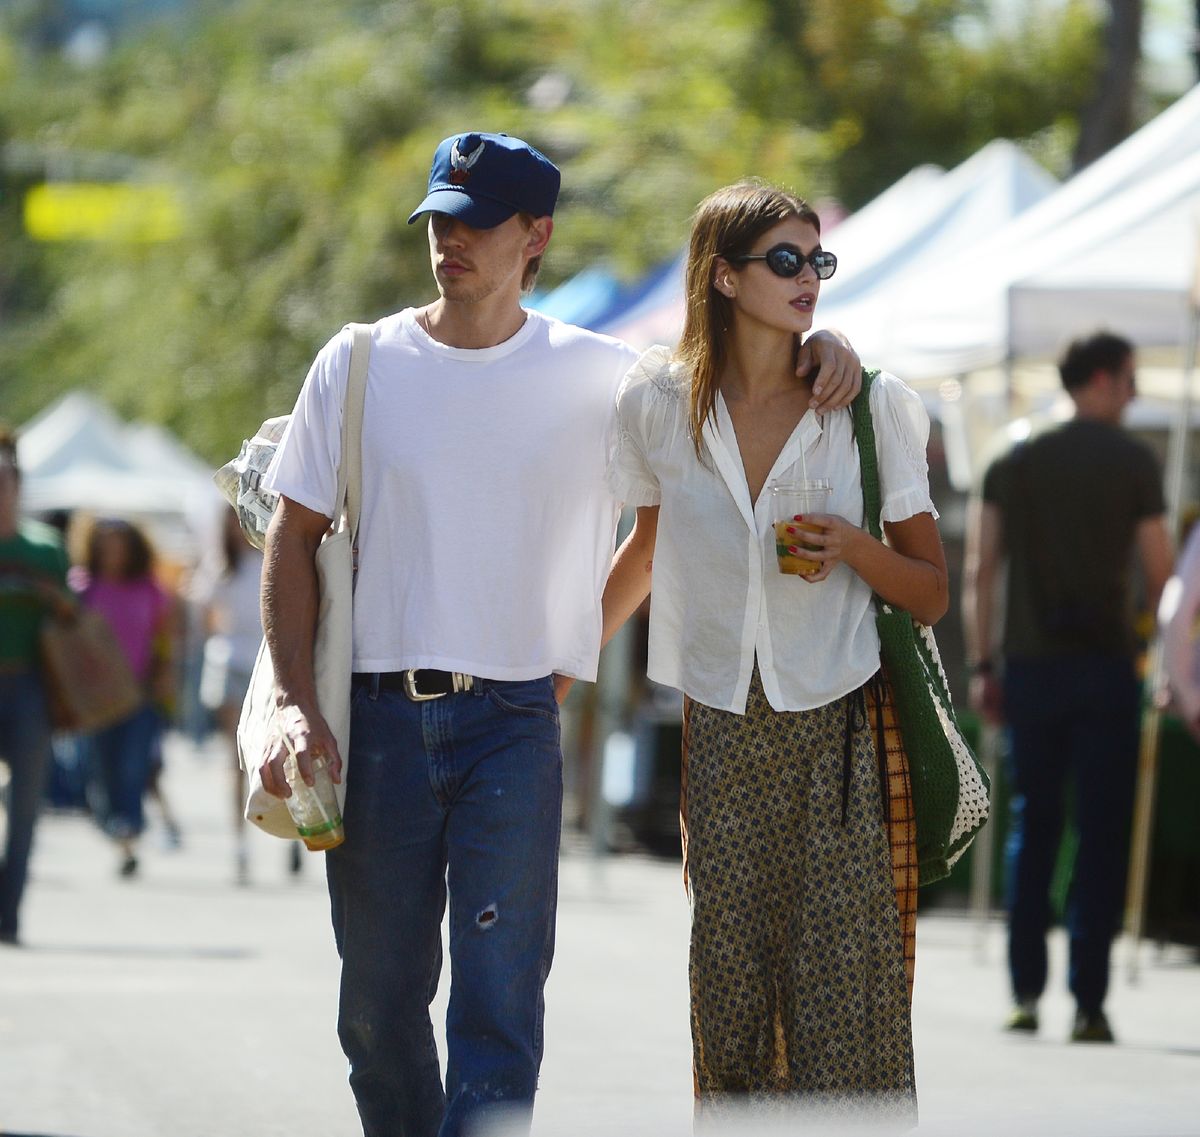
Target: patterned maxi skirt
[798,963]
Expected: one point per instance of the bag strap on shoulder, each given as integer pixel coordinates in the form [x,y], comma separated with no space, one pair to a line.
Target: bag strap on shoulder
[868,460]
[349,491]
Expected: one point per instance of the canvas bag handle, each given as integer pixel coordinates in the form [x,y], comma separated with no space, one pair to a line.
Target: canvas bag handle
[349,488]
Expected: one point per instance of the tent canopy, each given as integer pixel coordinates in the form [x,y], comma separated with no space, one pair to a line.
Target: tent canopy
[78,455]
[1114,246]
[923,218]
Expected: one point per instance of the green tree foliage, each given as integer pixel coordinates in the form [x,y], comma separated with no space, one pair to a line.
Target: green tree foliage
[298,137]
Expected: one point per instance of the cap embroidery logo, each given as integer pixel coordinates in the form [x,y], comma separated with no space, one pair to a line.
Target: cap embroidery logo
[462,163]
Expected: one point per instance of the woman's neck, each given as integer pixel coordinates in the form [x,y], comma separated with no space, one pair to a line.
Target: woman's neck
[760,365]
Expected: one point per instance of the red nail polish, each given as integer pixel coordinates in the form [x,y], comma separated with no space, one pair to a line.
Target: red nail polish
[798,517]
[791,530]
[793,550]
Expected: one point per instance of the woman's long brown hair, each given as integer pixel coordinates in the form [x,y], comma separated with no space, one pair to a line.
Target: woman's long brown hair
[726,224]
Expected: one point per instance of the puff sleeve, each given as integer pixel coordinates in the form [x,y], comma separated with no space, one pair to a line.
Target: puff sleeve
[902,435]
[631,475]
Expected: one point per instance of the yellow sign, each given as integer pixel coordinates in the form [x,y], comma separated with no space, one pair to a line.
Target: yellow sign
[92,211]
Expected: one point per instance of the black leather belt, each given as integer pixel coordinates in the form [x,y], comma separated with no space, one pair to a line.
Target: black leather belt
[419,683]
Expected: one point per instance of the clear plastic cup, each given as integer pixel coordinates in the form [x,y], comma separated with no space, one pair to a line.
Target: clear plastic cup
[789,498]
[314,808]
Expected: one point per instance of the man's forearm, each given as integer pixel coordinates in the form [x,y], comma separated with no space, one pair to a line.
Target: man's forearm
[289,612]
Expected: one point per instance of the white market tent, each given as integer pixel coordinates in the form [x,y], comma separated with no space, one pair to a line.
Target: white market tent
[78,455]
[1115,246]
[903,236]
[924,218]
[1129,263]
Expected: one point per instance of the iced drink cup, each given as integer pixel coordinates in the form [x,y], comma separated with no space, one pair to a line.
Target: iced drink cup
[787,500]
[314,808]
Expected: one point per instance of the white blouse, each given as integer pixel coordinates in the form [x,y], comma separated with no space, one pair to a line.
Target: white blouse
[718,599]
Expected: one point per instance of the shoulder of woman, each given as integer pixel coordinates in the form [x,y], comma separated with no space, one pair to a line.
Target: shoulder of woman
[655,375]
[891,395]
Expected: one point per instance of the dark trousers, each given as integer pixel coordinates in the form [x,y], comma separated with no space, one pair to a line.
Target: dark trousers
[25,748]
[1073,721]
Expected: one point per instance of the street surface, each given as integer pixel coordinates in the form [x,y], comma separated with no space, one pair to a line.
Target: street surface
[178,1004]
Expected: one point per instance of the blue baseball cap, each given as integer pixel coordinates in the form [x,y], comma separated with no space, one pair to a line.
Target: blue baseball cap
[484,179]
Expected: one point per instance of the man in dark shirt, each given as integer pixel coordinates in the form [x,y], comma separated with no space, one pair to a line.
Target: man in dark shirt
[1066,510]
[33,577]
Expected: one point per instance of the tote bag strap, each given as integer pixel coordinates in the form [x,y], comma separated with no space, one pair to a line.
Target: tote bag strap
[349,491]
[864,437]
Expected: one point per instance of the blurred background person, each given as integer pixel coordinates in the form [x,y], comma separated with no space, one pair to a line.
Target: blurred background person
[1066,511]
[33,579]
[118,581]
[233,623]
[1179,623]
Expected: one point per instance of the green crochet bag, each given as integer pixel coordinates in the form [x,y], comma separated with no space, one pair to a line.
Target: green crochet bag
[949,787]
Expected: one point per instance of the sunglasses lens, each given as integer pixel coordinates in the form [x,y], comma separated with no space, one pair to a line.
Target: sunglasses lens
[823,264]
[783,261]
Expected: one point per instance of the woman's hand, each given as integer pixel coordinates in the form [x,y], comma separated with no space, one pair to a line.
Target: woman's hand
[827,541]
[909,571]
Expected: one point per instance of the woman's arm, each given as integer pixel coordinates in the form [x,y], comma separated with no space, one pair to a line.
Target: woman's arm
[909,571]
[629,578]
[628,582]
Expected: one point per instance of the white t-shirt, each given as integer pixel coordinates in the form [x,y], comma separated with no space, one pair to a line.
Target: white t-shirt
[487,527]
[718,599]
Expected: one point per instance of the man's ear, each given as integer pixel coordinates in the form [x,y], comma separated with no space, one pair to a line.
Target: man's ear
[538,236]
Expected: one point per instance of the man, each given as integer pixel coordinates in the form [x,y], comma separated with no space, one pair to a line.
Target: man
[33,578]
[1067,510]
[485,539]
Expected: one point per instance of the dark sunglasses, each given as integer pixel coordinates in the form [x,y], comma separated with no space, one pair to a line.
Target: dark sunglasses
[787,260]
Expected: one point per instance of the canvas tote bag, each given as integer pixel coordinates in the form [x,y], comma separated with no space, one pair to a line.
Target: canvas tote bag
[258,729]
[89,685]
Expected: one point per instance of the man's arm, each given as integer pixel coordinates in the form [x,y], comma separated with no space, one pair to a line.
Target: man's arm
[1156,555]
[839,374]
[981,570]
[628,582]
[289,612]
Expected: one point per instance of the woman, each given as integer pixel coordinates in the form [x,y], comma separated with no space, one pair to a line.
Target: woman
[234,630]
[797,969]
[119,583]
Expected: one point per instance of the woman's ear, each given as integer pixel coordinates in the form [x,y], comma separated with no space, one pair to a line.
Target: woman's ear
[723,278]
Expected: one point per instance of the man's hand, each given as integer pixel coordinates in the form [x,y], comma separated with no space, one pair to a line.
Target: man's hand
[562,685]
[839,374]
[307,736]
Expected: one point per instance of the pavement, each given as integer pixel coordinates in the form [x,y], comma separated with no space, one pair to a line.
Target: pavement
[177,1003]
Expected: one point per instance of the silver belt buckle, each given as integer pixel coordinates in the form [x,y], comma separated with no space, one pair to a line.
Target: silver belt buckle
[410,688]
[458,683]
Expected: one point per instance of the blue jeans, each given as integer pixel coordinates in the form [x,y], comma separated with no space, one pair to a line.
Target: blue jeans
[461,794]
[1072,719]
[121,757]
[25,747]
